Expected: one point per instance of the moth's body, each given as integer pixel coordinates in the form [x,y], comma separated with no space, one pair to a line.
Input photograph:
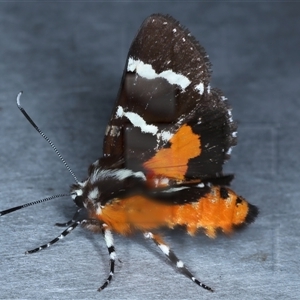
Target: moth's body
[220,207]
[164,149]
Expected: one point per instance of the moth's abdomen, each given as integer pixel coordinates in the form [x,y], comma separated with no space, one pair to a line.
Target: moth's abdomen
[221,208]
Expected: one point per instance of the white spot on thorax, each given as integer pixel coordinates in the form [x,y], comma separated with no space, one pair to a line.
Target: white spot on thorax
[79,191]
[119,174]
[93,194]
[147,71]
[174,30]
[98,210]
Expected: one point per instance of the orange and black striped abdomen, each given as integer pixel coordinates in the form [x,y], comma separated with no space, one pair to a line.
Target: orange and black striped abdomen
[221,208]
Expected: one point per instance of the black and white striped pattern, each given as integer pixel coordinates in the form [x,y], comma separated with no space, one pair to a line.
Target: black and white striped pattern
[75,217]
[108,237]
[60,237]
[175,260]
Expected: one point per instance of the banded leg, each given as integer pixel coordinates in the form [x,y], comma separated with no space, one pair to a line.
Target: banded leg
[71,221]
[109,240]
[95,225]
[174,259]
[61,236]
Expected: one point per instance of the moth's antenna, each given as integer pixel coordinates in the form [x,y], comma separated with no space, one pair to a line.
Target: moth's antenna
[44,136]
[10,210]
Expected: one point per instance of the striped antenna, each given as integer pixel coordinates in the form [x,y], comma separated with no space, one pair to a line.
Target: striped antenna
[44,136]
[10,210]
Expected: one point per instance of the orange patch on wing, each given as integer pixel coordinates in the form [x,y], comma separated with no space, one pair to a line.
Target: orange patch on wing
[173,162]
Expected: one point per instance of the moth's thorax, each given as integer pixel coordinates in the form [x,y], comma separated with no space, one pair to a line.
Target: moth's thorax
[103,185]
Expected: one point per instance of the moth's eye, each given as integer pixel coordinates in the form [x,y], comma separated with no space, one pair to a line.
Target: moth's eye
[79,201]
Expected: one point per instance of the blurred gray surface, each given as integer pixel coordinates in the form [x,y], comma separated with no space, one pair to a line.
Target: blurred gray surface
[68,59]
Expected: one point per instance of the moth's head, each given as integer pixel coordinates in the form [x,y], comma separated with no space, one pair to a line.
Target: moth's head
[78,194]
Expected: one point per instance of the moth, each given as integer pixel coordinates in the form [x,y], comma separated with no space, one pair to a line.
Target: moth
[163,152]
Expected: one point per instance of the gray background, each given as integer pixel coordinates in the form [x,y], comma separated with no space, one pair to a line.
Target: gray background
[68,58]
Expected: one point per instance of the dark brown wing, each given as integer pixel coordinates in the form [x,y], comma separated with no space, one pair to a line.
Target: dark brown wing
[164,90]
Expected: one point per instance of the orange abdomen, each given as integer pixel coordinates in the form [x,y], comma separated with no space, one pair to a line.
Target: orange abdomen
[210,212]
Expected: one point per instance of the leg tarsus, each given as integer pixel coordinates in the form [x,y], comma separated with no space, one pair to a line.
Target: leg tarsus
[71,221]
[97,226]
[174,259]
[61,236]
[108,237]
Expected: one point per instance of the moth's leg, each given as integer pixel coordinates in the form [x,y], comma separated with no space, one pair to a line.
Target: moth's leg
[61,236]
[174,259]
[97,226]
[76,215]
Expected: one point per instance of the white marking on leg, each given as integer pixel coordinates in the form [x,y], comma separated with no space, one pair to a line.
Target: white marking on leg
[113,255]
[164,248]
[148,235]
[108,237]
[179,264]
